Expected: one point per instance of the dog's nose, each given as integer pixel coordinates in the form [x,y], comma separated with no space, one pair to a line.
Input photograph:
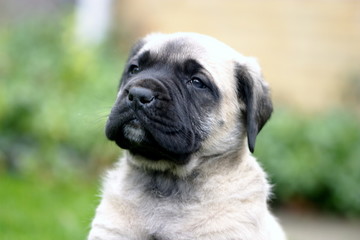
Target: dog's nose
[140,96]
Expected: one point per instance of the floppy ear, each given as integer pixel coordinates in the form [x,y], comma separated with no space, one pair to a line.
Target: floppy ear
[255,94]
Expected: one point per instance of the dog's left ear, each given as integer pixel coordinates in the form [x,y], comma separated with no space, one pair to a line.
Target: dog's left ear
[254,92]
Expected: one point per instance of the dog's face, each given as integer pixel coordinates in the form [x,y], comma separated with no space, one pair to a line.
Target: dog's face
[187,94]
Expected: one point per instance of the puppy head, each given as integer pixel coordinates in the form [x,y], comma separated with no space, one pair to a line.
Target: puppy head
[187,94]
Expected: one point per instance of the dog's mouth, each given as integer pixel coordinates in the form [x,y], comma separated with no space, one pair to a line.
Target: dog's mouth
[126,129]
[143,136]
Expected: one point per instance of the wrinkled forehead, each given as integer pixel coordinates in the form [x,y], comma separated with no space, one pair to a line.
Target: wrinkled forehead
[214,56]
[217,58]
[182,46]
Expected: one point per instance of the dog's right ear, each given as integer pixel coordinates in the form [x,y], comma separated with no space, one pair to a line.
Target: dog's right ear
[254,93]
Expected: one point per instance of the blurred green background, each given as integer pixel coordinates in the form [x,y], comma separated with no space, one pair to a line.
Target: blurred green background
[55,95]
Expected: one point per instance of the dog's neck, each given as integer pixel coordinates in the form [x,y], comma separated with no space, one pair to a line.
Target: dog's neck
[199,162]
[166,180]
[164,184]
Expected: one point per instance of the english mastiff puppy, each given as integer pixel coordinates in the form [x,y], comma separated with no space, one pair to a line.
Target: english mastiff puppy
[187,114]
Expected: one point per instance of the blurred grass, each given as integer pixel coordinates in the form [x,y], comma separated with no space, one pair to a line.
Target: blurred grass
[54,99]
[33,207]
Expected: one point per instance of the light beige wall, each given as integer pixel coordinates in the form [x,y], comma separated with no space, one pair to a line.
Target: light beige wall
[306,48]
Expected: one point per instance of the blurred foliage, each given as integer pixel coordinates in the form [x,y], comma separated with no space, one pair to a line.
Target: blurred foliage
[54,99]
[314,159]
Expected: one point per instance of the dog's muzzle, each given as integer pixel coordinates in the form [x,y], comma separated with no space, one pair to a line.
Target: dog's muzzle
[148,120]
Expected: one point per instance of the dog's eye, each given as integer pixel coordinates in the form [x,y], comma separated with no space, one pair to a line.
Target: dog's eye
[196,82]
[133,69]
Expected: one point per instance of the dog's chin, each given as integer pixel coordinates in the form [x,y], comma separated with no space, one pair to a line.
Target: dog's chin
[139,142]
[134,132]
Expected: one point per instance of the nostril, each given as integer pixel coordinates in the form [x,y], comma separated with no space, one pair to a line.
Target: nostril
[146,99]
[130,97]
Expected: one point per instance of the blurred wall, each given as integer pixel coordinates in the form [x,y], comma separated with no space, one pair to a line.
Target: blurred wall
[308,49]
[17,11]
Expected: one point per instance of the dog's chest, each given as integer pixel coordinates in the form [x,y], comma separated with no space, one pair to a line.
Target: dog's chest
[182,214]
[164,203]
[195,221]
[167,207]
